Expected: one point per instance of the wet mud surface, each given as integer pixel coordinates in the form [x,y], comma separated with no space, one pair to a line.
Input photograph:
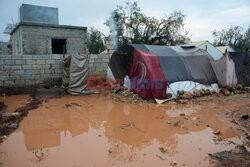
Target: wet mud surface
[98,130]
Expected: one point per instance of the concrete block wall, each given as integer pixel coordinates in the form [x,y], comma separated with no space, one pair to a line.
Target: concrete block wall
[25,70]
[4,49]
[98,64]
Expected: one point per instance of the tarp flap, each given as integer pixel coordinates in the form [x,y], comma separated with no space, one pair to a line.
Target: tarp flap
[78,73]
[224,69]
[65,76]
[146,75]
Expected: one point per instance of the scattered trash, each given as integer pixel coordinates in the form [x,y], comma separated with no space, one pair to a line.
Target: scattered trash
[180,92]
[14,126]
[186,95]
[182,114]
[173,163]
[218,132]
[163,150]
[67,105]
[2,105]
[110,151]
[169,122]
[245,117]
[4,137]
[194,118]
[225,91]
[169,95]
[239,87]
[116,91]
[180,101]
[161,157]
[177,123]
[131,124]
[75,104]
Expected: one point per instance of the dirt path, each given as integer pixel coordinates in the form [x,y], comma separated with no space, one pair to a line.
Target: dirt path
[98,130]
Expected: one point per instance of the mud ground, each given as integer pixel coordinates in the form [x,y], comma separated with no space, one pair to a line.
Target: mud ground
[51,128]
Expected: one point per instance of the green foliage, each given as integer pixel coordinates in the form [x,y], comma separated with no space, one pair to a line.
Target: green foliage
[133,26]
[95,41]
[234,37]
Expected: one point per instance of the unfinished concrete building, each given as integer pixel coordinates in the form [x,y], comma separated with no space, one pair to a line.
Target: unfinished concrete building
[38,43]
[39,33]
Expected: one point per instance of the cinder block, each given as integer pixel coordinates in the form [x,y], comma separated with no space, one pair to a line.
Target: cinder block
[105,60]
[59,62]
[40,62]
[8,83]
[30,61]
[18,57]
[56,76]
[99,68]
[2,57]
[36,77]
[20,83]
[50,61]
[37,66]
[26,67]
[45,76]
[37,57]
[4,77]
[105,56]
[20,62]
[93,56]
[16,67]
[46,57]
[7,67]
[58,71]
[98,60]
[56,56]
[27,57]
[39,71]
[19,72]
[105,65]
[14,77]
[9,62]
[29,71]
[91,64]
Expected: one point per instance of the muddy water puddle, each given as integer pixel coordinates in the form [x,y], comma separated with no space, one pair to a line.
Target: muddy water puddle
[97,131]
[15,101]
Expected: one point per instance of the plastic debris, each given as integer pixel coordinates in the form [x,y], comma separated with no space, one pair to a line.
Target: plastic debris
[161,157]
[163,150]
[173,163]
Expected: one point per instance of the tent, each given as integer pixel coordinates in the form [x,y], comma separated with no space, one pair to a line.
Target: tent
[151,68]
[75,73]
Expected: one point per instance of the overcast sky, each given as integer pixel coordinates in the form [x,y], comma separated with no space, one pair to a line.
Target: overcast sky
[202,16]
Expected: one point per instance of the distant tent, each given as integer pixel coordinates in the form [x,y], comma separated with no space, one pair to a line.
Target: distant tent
[224,69]
[151,68]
